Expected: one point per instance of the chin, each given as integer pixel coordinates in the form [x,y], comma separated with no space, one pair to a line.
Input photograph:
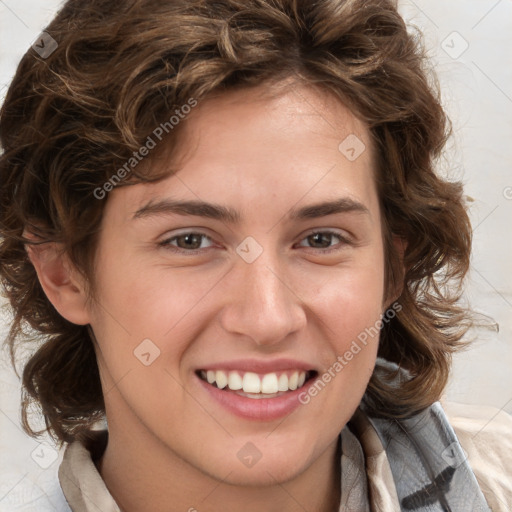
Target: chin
[263,474]
[262,462]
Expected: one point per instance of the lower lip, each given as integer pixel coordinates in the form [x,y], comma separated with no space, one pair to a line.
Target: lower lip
[262,409]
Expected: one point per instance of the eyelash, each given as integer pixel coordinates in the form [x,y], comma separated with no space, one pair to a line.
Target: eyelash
[167,242]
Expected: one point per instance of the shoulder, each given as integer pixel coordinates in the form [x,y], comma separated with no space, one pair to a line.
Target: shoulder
[485,434]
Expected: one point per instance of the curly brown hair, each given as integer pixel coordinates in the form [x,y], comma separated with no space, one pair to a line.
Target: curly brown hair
[72,119]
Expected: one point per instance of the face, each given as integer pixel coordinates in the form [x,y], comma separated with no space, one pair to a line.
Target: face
[218,326]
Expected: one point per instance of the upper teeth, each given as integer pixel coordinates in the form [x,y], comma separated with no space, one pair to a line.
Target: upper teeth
[251,382]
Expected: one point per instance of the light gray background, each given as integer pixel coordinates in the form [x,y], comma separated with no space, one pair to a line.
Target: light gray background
[477,92]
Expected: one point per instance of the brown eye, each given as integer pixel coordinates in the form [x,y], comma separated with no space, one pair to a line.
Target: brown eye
[322,240]
[186,242]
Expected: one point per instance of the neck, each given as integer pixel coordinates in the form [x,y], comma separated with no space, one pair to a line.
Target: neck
[141,472]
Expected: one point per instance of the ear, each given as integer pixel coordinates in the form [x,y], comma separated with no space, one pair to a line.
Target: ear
[61,282]
[400,245]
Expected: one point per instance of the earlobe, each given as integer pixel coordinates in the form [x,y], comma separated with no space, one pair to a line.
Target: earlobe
[61,283]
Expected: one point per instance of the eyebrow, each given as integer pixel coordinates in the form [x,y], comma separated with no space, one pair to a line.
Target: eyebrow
[231,216]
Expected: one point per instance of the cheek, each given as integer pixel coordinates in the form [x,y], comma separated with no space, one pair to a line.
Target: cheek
[353,332]
[350,311]
[349,307]
[352,296]
[142,302]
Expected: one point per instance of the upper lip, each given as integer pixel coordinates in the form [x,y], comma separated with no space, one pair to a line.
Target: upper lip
[259,365]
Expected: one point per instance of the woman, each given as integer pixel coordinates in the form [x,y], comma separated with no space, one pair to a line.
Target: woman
[168,171]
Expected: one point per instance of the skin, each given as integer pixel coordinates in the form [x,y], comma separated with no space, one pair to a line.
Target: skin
[170,444]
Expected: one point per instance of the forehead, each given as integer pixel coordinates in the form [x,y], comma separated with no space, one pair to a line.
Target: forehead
[258,147]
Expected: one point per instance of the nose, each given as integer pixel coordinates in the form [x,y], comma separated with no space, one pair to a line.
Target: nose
[261,302]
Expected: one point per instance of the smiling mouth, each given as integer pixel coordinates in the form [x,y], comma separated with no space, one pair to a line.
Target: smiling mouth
[254,385]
